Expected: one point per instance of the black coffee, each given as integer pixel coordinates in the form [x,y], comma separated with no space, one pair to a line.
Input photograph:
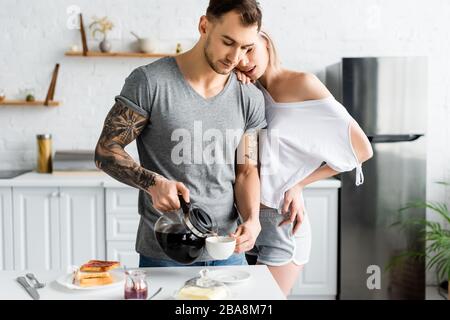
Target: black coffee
[180,244]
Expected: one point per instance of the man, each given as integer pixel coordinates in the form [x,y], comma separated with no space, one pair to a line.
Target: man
[196,129]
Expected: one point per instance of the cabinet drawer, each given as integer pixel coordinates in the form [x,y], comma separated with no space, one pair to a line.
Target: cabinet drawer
[124,252]
[122,201]
[122,226]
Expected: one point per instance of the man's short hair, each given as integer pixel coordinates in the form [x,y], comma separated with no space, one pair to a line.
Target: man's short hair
[248,9]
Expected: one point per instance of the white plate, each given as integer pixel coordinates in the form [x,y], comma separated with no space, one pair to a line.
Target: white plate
[117,275]
[229,276]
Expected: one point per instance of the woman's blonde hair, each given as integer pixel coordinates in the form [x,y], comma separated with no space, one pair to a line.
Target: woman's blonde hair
[274,61]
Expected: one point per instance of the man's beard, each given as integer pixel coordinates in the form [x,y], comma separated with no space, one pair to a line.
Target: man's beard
[209,59]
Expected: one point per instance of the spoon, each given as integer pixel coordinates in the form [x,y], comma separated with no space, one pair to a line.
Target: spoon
[157,291]
[134,34]
[128,273]
[37,285]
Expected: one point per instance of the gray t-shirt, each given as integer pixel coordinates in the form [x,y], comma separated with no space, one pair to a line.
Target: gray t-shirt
[190,139]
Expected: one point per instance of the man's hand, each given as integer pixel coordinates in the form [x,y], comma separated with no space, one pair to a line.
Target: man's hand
[165,194]
[294,204]
[246,235]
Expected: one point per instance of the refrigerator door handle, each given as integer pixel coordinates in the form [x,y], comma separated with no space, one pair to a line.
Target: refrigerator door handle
[390,138]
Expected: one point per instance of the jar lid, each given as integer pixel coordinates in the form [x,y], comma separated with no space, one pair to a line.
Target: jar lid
[44,136]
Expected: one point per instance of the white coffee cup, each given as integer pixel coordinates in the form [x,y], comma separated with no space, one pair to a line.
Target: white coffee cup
[220,247]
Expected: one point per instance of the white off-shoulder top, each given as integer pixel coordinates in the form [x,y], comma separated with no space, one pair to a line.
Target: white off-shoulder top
[299,137]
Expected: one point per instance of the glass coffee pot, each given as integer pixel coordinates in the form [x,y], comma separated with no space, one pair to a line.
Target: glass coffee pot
[181,235]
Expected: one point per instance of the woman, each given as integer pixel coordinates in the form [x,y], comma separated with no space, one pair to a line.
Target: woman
[310,136]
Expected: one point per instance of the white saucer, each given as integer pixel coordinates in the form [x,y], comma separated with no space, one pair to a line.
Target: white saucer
[229,276]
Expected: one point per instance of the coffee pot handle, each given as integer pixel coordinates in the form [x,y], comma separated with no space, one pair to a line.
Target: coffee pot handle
[185,206]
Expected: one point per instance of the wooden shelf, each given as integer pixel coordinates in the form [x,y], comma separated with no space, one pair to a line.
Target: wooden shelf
[87,53]
[48,102]
[118,54]
[28,103]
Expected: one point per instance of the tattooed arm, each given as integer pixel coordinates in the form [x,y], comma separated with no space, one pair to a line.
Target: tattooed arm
[247,192]
[122,126]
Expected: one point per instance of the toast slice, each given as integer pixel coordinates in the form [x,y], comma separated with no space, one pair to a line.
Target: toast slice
[89,279]
[91,282]
[99,266]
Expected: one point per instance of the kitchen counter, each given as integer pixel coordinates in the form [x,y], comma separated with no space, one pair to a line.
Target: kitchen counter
[99,179]
[34,179]
[96,216]
[261,285]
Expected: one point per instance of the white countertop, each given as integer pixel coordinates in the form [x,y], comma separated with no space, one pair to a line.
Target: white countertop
[34,179]
[260,286]
[100,179]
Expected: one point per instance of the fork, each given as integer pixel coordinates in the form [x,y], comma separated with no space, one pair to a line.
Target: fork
[37,284]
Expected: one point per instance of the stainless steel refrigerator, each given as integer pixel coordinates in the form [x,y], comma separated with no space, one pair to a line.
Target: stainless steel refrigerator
[387,96]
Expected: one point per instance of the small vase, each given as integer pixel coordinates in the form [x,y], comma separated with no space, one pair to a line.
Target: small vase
[105,45]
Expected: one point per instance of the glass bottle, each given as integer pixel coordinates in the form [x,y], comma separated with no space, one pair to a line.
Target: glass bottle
[44,159]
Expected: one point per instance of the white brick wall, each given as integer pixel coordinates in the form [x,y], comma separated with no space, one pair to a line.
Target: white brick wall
[310,35]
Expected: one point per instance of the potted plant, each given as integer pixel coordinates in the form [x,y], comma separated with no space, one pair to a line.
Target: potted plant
[28,94]
[102,25]
[436,237]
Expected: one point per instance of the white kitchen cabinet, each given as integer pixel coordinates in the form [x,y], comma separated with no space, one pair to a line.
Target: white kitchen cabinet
[6,230]
[122,217]
[122,221]
[57,227]
[37,242]
[318,279]
[124,252]
[49,222]
[82,217]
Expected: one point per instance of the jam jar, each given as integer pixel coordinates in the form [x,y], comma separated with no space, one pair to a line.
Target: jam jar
[136,286]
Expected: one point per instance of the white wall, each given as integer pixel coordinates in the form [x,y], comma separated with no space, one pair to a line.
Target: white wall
[310,35]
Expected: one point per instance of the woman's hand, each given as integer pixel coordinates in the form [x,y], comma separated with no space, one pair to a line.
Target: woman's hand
[295,205]
[242,77]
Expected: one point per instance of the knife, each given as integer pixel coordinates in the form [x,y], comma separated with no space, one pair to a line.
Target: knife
[31,290]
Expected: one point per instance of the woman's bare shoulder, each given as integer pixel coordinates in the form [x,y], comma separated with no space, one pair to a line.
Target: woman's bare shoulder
[305,86]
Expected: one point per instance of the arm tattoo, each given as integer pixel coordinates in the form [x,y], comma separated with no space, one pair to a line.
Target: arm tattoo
[251,146]
[122,126]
